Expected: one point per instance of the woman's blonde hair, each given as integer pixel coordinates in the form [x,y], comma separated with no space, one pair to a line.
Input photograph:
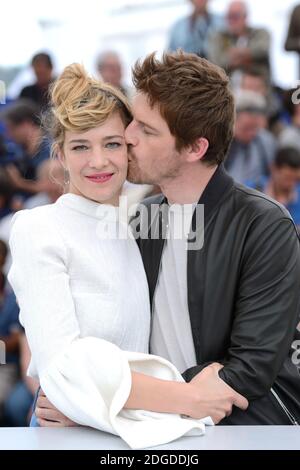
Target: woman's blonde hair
[79,103]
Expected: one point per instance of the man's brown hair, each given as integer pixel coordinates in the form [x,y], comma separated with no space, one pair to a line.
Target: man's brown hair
[193,97]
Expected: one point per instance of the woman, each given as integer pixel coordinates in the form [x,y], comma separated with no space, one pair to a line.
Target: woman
[82,289]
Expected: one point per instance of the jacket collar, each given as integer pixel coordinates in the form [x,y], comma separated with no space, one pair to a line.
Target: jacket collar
[214,192]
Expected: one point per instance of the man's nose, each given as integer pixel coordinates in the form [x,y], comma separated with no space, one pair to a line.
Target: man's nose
[130,135]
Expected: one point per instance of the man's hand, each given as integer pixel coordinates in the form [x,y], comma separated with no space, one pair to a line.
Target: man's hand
[211,396]
[49,416]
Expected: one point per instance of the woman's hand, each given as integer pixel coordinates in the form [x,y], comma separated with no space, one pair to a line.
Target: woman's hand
[211,396]
[49,416]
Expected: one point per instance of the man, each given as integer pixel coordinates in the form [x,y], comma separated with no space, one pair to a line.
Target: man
[110,70]
[283,185]
[253,147]
[290,135]
[192,32]
[23,127]
[227,302]
[42,66]
[239,45]
[292,42]
[254,80]
[235,298]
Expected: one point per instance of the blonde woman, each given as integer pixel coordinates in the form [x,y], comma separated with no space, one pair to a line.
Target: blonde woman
[84,297]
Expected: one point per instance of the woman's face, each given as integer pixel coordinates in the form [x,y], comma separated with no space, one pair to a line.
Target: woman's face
[97,161]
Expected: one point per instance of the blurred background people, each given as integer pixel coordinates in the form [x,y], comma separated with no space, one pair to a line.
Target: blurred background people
[23,126]
[110,70]
[191,33]
[239,45]
[3,258]
[283,184]
[39,91]
[292,42]
[50,177]
[9,333]
[290,135]
[253,79]
[18,406]
[253,147]
[6,194]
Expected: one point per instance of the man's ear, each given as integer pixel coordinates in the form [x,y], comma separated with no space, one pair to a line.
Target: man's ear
[197,150]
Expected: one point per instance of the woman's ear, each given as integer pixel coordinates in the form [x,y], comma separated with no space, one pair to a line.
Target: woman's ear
[61,158]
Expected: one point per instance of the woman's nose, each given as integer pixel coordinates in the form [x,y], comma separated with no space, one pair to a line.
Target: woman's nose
[98,159]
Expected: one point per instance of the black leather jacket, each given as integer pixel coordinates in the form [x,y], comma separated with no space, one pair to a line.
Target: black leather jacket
[243,296]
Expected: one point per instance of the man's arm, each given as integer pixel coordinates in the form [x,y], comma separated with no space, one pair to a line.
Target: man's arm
[21,183]
[266,309]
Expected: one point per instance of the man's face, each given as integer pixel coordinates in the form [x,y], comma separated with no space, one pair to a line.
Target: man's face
[253,83]
[42,72]
[19,133]
[286,178]
[111,71]
[200,5]
[153,158]
[236,18]
[247,126]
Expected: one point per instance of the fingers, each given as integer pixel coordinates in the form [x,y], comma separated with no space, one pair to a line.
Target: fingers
[240,401]
[49,414]
[49,424]
[237,399]
[216,366]
[43,402]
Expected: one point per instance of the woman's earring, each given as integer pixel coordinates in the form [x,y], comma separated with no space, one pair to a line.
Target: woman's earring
[66,177]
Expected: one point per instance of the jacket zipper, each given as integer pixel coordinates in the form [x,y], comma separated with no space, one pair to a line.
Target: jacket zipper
[290,416]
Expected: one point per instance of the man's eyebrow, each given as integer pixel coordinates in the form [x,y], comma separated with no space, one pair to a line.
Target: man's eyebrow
[147,125]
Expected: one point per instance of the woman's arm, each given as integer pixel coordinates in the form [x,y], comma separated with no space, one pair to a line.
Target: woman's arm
[25,355]
[206,395]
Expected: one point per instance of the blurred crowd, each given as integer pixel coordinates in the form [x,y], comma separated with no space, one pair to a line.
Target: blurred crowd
[265,152]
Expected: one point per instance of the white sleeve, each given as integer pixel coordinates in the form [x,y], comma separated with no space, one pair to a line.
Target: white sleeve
[87,379]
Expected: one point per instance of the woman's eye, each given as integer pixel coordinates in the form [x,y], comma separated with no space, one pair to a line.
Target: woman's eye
[80,147]
[113,145]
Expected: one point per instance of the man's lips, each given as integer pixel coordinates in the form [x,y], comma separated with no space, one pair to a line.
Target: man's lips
[99,177]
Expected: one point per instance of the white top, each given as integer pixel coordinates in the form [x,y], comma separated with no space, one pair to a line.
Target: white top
[171,333]
[84,303]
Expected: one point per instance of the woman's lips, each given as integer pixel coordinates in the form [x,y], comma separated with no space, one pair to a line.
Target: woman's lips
[100,178]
